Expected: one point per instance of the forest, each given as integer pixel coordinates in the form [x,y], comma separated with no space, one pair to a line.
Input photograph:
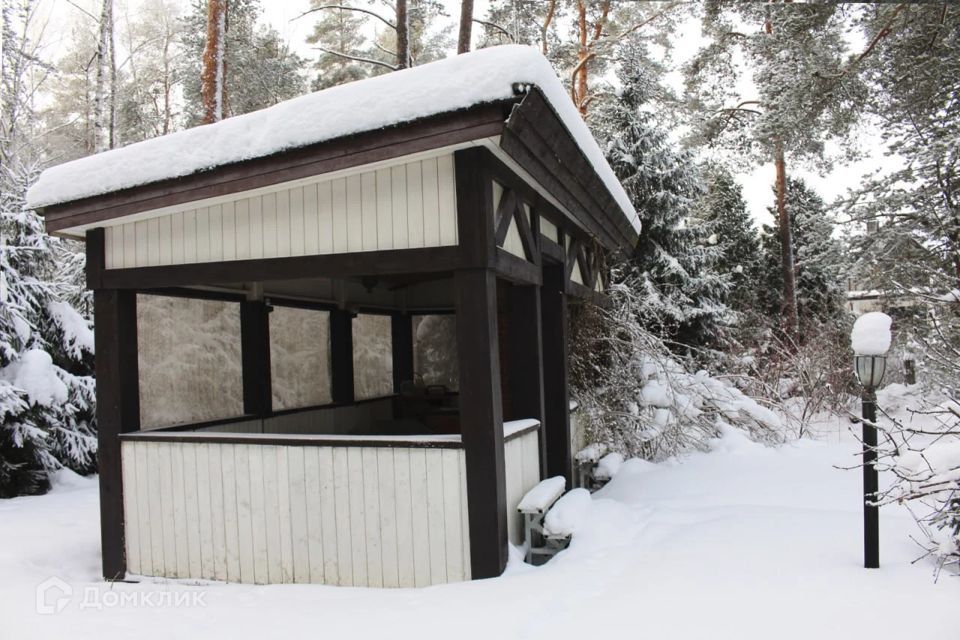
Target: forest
[690,101]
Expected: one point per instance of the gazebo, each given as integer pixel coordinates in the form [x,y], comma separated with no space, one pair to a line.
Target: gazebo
[332,334]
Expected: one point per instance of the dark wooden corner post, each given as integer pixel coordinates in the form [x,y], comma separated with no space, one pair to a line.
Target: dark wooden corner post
[481,413]
[401,330]
[255,353]
[526,352]
[556,417]
[118,398]
[341,356]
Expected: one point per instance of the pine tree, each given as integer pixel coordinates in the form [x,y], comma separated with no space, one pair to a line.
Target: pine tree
[338,30]
[818,256]
[259,68]
[722,213]
[46,346]
[804,91]
[672,263]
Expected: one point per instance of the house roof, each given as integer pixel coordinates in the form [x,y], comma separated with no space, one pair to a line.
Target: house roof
[483,77]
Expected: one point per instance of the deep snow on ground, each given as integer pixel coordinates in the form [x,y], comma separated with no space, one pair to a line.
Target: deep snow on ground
[742,542]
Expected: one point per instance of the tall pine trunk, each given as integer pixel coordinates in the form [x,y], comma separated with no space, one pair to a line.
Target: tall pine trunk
[213,72]
[466,26]
[789,306]
[403,35]
[104,109]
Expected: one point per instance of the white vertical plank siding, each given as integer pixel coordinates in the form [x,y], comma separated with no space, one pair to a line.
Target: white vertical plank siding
[398,204]
[447,197]
[356,516]
[407,205]
[522,468]
[131,515]
[368,211]
[384,225]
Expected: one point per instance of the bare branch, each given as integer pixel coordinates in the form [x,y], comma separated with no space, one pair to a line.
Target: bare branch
[343,7]
[347,56]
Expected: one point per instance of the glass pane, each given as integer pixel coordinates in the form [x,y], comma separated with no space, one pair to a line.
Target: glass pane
[299,357]
[372,356]
[190,364]
[435,350]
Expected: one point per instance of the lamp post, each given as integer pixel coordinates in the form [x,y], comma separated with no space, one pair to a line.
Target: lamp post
[870,370]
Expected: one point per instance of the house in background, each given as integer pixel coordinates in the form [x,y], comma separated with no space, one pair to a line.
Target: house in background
[331,335]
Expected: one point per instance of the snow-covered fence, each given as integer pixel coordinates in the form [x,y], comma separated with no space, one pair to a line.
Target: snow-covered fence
[351,510]
[296,509]
[521,460]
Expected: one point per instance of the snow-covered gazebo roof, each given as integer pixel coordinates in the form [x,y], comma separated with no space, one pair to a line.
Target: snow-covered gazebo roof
[454,84]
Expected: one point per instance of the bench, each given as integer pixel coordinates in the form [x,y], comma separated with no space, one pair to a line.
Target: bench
[586,463]
[534,506]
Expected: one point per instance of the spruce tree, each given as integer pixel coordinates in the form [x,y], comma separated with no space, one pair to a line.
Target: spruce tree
[338,30]
[722,213]
[46,346]
[672,263]
[818,256]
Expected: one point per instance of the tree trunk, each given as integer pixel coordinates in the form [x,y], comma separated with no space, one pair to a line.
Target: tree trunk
[403,35]
[545,28]
[212,74]
[103,118]
[790,320]
[580,87]
[466,26]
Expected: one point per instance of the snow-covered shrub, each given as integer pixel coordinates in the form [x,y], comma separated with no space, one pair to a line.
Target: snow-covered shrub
[637,398]
[47,399]
[922,452]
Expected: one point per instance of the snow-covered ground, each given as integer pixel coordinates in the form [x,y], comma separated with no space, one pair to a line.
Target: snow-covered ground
[742,542]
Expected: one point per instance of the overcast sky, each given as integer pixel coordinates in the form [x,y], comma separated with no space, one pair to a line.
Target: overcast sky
[282,15]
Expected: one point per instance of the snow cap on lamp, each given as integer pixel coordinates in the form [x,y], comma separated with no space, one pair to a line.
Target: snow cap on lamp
[871,334]
[870,340]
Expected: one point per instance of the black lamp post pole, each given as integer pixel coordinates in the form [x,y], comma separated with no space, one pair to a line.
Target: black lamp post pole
[871,516]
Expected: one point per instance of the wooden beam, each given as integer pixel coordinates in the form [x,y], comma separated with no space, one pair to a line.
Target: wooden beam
[556,416]
[336,265]
[341,356]
[505,212]
[572,251]
[474,208]
[333,155]
[96,257]
[401,328]
[255,354]
[481,419]
[530,247]
[526,358]
[516,269]
[118,411]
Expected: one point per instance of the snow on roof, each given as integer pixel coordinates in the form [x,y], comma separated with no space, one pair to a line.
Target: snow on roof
[459,82]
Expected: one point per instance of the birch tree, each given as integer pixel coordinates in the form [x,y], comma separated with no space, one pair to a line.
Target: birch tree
[105,100]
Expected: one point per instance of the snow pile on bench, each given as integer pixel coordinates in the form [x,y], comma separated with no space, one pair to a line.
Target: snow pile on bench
[871,334]
[568,514]
[544,494]
[608,466]
[458,82]
[590,453]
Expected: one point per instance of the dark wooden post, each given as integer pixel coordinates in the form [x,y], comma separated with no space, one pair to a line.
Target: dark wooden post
[556,417]
[255,351]
[481,419]
[526,353]
[481,411]
[402,336]
[341,356]
[118,411]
